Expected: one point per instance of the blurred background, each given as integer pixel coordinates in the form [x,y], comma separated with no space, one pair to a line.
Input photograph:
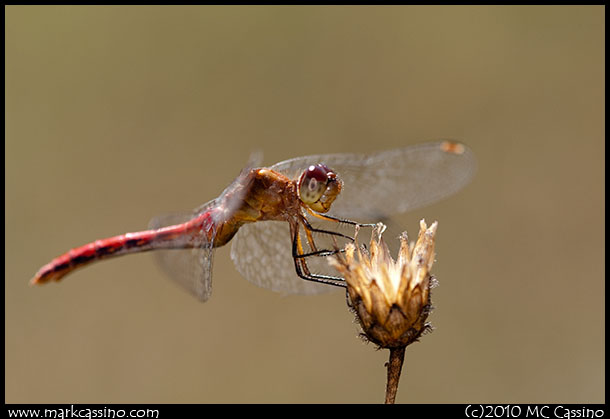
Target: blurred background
[117,114]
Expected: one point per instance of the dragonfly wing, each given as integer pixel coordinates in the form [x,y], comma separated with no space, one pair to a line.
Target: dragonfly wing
[191,268]
[394,181]
[262,253]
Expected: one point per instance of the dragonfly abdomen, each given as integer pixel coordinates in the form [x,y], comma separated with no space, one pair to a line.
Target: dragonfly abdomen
[171,237]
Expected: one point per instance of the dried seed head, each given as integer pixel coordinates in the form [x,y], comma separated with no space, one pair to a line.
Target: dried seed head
[391,297]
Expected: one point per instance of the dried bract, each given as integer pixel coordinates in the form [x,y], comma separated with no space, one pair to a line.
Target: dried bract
[391,297]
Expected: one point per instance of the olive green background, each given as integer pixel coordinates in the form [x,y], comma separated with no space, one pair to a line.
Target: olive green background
[117,114]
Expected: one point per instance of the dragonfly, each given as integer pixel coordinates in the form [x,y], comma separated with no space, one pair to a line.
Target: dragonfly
[270,213]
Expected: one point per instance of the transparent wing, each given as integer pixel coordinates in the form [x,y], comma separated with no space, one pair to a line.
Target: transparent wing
[262,253]
[394,181]
[190,268]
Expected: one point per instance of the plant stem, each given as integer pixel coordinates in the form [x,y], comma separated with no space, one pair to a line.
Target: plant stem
[397,356]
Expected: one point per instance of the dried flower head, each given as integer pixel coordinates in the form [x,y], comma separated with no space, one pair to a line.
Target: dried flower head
[391,297]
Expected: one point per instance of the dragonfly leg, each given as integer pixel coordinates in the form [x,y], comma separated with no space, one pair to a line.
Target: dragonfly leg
[315,252]
[312,244]
[309,229]
[339,220]
[300,264]
[319,253]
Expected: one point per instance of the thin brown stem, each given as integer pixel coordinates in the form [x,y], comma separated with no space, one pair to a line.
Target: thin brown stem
[397,356]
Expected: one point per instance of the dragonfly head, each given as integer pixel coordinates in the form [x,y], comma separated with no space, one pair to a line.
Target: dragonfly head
[318,187]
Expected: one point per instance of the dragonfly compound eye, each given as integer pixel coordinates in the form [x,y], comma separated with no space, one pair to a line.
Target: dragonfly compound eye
[314,184]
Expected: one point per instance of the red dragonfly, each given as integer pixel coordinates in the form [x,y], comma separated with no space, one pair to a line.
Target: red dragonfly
[280,252]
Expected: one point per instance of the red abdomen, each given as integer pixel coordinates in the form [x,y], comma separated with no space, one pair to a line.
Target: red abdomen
[192,233]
